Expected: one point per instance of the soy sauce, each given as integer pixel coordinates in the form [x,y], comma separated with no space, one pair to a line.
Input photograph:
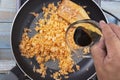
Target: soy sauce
[81,38]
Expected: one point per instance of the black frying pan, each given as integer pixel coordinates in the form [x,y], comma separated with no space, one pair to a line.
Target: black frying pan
[25,19]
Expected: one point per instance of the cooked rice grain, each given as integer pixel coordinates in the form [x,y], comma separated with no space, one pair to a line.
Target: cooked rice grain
[48,43]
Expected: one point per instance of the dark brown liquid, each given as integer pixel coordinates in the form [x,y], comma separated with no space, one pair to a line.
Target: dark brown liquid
[81,38]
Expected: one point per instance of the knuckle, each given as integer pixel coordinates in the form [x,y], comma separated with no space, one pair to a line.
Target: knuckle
[111,24]
[112,36]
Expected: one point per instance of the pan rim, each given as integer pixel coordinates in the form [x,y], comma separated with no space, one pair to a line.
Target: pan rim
[101,10]
[11,40]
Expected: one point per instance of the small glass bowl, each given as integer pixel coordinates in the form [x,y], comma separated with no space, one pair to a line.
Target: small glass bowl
[81,35]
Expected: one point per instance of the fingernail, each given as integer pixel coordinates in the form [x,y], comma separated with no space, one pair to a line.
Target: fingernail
[101,39]
[102,22]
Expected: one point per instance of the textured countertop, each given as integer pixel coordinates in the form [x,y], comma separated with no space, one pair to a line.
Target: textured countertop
[112,6]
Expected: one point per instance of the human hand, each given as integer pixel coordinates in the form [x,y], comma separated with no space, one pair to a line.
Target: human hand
[106,53]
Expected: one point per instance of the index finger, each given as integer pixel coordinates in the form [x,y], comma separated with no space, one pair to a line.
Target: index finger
[111,40]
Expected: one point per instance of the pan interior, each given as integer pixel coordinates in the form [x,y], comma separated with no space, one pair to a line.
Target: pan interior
[25,20]
[52,64]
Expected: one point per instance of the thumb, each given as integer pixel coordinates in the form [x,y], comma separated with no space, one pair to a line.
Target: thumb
[98,52]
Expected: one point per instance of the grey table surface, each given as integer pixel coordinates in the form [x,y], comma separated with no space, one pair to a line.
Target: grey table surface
[10,10]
